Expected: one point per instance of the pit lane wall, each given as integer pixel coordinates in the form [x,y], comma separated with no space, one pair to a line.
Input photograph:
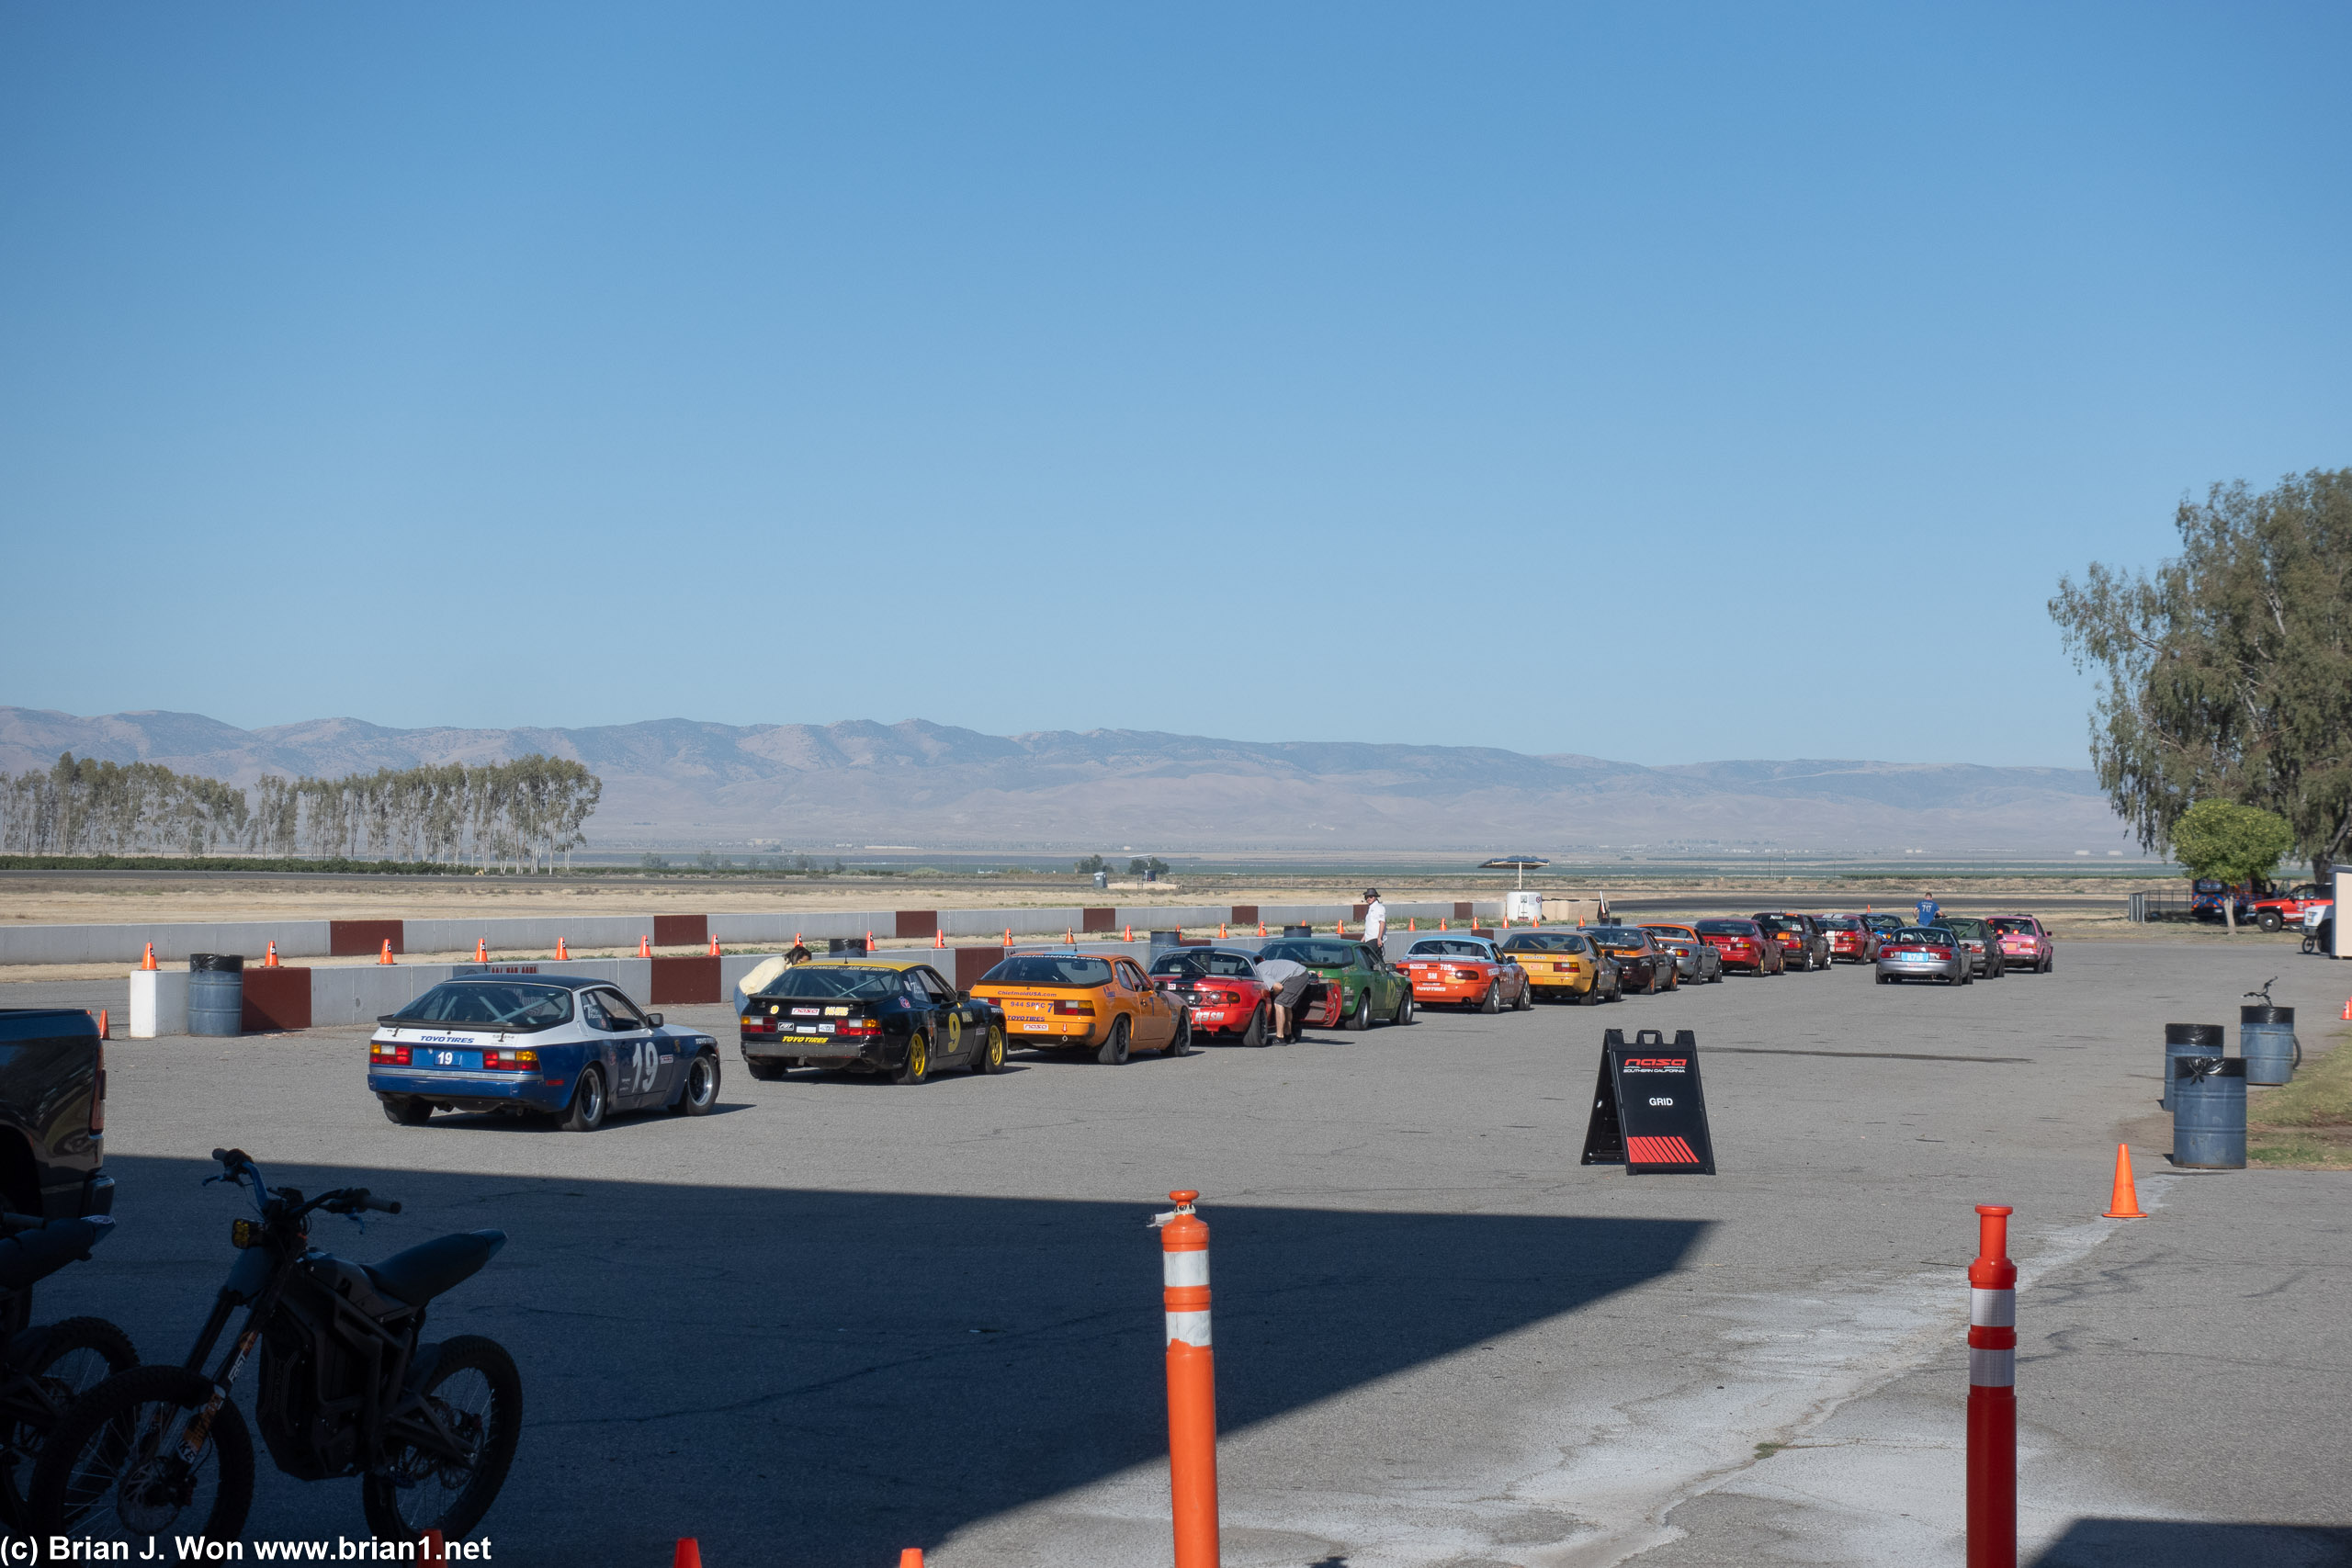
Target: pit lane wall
[176,941]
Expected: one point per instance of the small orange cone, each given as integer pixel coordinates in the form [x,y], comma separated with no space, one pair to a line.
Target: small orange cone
[1220,930]
[796,939]
[2125,1203]
[149,962]
[1341,928]
[938,939]
[2347,1001]
[1127,934]
[689,1553]
[481,950]
[1411,924]
[269,959]
[910,1558]
[1261,928]
[385,956]
[1008,939]
[644,947]
[560,951]
[714,948]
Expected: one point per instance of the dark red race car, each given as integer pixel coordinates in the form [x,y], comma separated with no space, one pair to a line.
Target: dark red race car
[1850,940]
[1744,944]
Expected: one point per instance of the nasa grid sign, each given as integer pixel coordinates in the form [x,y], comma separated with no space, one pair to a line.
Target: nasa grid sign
[1649,1114]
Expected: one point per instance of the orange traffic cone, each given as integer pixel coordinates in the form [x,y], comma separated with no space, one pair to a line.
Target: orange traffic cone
[560,951]
[1069,936]
[1220,930]
[796,939]
[1341,928]
[269,959]
[1411,925]
[104,1033]
[910,1558]
[1261,928]
[644,947]
[1008,939]
[481,950]
[714,947]
[1127,934]
[2125,1203]
[149,962]
[939,939]
[689,1553]
[2347,1001]
[385,956]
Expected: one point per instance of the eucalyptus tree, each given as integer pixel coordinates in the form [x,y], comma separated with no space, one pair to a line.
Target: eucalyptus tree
[2229,668]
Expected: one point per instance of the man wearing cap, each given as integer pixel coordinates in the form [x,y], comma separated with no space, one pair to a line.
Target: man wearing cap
[1376,917]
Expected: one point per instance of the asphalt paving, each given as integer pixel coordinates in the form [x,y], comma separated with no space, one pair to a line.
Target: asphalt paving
[840,1317]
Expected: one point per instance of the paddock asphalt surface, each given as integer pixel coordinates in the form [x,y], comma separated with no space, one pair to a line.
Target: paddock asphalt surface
[841,1317]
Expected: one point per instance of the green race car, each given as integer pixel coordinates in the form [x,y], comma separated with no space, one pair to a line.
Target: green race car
[1359,984]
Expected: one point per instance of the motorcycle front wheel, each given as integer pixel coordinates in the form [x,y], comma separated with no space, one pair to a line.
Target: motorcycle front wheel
[74,1357]
[476,1395]
[118,1466]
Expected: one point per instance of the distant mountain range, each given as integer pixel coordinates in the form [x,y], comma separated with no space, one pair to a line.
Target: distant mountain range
[682,783]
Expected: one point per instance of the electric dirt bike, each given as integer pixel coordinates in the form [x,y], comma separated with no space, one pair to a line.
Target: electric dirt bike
[45,1370]
[346,1389]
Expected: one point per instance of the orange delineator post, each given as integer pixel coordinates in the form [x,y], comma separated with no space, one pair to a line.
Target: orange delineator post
[1992,1395]
[149,961]
[1192,1382]
[385,956]
[2125,1202]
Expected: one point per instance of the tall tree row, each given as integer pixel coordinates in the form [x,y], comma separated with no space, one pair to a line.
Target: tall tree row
[526,812]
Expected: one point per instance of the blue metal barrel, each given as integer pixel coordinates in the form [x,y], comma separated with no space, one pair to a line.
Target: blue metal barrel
[2266,1041]
[2209,1112]
[2190,1039]
[216,993]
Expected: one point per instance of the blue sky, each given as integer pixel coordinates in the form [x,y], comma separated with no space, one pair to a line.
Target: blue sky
[1666,383]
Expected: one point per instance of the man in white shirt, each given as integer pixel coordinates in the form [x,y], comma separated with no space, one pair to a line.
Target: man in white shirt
[1285,984]
[1376,917]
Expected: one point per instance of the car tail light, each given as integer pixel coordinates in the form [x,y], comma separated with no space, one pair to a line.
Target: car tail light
[390,1054]
[755,1024]
[1220,998]
[1075,1009]
[511,1061]
[1469,974]
[857,1028]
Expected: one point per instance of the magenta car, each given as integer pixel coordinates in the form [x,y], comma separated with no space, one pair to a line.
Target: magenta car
[2025,944]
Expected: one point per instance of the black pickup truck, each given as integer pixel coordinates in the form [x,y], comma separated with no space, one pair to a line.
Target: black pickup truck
[52,1114]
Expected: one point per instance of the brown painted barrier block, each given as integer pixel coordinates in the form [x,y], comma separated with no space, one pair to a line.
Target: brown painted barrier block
[683,930]
[1098,919]
[918,922]
[1360,910]
[971,962]
[1245,914]
[680,982]
[1461,911]
[278,999]
[365,939]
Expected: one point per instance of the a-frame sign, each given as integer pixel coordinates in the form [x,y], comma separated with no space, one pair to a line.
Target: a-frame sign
[1649,1112]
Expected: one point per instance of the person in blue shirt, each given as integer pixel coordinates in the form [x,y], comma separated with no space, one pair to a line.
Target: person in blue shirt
[1928,909]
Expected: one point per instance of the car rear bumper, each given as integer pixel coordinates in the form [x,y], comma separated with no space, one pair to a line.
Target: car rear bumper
[1933,969]
[475,1091]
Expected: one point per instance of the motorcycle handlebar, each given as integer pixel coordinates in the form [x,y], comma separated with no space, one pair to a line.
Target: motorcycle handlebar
[381,1205]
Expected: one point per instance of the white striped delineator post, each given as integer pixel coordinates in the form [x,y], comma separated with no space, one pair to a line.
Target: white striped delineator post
[1992,1395]
[1192,1382]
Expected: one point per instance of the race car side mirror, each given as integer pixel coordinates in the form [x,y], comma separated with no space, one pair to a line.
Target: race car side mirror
[654,1020]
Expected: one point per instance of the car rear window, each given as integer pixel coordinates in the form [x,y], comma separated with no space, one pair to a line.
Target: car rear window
[2012,924]
[810,981]
[1443,949]
[1934,936]
[1840,923]
[1618,939]
[1049,969]
[1230,965]
[498,1004]
[1313,955]
[1727,927]
[1780,922]
[1545,941]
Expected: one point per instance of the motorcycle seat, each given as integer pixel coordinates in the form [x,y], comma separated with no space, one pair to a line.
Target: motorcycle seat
[31,1254]
[424,1271]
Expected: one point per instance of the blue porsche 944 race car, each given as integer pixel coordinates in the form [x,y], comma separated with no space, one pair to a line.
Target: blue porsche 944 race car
[538,1046]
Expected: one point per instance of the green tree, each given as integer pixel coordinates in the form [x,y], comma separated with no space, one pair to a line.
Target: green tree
[2228,670]
[2233,843]
[1090,865]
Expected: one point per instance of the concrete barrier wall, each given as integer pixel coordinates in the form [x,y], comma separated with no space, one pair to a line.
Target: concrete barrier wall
[346,994]
[538,934]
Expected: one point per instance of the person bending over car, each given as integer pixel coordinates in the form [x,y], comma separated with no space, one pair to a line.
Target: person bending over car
[1286,985]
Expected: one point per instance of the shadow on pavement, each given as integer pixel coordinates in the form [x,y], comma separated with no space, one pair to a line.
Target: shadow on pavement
[2184,1543]
[824,1377]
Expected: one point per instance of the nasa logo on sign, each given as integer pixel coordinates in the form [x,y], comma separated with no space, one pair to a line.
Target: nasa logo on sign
[1648,1113]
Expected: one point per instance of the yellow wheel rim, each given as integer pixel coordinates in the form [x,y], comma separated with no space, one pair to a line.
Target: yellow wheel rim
[996,1046]
[918,1055]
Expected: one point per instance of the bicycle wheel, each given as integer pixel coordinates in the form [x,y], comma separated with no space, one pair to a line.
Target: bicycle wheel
[130,1459]
[74,1357]
[476,1396]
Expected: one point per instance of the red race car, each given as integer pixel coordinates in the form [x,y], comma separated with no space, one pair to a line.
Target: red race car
[1465,971]
[1742,943]
[1850,940]
[2026,943]
[1219,988]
